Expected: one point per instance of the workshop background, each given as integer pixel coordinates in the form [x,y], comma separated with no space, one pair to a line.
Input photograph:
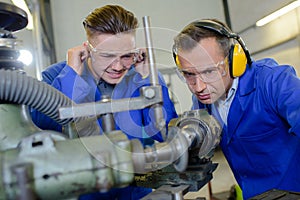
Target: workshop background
[57,26]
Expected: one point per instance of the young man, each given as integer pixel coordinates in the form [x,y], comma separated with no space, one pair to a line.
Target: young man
[109,63]
[257,102]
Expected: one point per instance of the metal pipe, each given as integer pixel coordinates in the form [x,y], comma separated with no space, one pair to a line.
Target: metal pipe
[108,122]
[150,51]
[158,112]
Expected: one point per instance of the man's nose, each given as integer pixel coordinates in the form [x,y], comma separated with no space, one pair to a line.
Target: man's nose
[199,85]
[117,64]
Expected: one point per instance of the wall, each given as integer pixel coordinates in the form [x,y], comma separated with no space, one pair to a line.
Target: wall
[278,39]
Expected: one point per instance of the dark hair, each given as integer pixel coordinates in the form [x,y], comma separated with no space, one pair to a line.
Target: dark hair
[110,19]
[191,35]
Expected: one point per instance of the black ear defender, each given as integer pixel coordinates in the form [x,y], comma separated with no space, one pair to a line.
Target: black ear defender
[238,56]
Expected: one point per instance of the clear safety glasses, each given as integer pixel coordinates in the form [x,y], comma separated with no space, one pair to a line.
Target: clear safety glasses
[127,58]
[207,74]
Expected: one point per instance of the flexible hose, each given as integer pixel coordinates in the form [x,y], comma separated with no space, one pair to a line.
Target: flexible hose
[16,87]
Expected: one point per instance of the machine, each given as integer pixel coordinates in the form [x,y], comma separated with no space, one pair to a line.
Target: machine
[44,164]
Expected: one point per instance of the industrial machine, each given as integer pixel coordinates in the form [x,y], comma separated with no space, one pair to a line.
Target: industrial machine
[44,164]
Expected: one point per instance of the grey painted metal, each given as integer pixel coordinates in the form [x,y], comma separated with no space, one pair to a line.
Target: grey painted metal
[15,124]
[60,169]
[113,105]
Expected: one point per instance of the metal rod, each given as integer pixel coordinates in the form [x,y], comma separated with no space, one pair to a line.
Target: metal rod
[108,122]
[158,112]
[150,51]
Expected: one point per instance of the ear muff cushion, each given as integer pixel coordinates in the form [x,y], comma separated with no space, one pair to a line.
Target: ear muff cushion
[237,61]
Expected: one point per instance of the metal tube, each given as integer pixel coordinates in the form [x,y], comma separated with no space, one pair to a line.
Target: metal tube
[158,112]
[36,14]
[108,123]
[150,51]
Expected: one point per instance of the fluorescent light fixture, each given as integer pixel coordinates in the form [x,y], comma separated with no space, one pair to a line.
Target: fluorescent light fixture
[22,4]
[278,13]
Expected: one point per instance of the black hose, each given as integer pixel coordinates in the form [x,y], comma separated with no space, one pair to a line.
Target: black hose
[17,87]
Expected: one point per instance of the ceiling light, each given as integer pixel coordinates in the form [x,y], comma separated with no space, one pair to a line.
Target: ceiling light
[278,13]
[25,57]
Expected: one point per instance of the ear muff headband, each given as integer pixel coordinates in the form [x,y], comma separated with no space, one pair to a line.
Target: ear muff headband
[239,55]
[216,27]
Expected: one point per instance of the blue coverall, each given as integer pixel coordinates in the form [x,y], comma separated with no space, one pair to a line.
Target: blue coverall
[261,141]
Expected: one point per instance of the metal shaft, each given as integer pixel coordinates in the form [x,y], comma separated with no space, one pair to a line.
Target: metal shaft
[150,51]
[158,112]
